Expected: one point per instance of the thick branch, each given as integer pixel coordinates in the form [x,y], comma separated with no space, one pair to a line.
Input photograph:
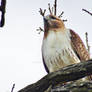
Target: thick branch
[81,86]
[2,9]
[66,74]
[3,5]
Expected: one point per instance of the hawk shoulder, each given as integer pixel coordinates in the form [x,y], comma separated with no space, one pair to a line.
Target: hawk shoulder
[79,47]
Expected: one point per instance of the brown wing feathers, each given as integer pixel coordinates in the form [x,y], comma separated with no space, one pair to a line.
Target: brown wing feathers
[79,46]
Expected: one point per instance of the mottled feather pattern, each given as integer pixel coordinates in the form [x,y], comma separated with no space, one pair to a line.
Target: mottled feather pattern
[79,47]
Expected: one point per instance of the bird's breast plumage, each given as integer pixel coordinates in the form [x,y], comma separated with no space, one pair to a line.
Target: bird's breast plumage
[57,50]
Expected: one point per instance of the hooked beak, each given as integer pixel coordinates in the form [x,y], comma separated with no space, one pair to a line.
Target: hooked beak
[46,24]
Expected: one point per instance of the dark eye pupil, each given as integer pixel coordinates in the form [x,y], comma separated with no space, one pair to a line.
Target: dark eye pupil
[53,17]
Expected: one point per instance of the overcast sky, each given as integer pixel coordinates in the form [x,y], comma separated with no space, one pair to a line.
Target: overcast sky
[20,43]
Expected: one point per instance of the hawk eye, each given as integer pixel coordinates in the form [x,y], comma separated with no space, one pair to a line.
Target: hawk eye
[52,17]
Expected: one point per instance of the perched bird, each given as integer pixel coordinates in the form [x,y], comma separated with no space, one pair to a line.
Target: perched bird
[61,46]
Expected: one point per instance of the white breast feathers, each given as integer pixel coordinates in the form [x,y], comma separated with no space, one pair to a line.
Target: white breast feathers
[57,50]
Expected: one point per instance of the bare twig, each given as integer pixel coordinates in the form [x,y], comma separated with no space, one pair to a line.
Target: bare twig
[40,30]
[42,12]
[64,20]
[61,14]
[55,7]
[87,11]
[13,88]
[52,10]
[49,8]
[88,47]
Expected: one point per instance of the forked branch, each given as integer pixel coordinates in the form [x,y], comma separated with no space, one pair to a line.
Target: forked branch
[53,11]
[42,12]
[40,30]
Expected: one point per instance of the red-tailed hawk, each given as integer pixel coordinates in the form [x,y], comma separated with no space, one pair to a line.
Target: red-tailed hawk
[61,46]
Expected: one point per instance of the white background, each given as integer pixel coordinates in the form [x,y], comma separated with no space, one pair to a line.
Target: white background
[20,43]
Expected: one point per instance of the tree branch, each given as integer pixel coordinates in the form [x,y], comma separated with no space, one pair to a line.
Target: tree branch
[2,9]
[42,12]
[61,14]
[66,74]
[13,88]
[40,30]
[55,7]
[82,86]
[87,11]
[64,20]
[49,8]
[53,11]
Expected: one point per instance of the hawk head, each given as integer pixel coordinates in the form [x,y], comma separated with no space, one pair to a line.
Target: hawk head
[52,22]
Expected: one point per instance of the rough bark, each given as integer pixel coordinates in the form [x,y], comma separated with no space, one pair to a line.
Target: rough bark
[74,87]
[66,74]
